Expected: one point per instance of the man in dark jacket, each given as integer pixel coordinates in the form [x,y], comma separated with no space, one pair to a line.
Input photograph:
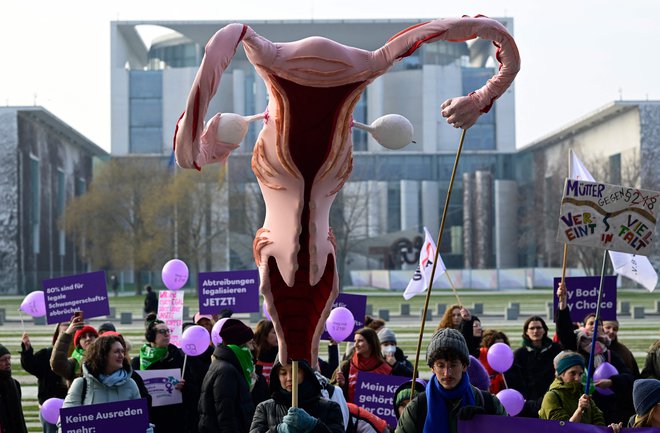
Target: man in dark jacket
[448,392]
[611,328]
[11,410]
[225,403]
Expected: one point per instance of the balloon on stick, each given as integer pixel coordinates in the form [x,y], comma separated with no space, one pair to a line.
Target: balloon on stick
[500,357]
[340,323]
[512,400]
[195,340]
[34,304]
[50,410]
[605,371]
[175,274]
[215,331]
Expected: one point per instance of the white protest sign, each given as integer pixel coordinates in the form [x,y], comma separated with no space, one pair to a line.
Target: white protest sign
[170,311]
[160,384]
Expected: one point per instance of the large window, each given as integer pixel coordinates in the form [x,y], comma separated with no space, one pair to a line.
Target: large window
[35,202]
[482,134]
[146,111]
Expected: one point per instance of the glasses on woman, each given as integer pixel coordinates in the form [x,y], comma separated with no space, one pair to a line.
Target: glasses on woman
[163,331]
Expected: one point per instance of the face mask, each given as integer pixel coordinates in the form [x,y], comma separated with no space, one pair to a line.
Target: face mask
[389,350]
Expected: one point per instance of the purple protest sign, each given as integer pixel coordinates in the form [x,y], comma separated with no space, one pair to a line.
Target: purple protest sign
[375,393]
[485,423]
[66,295]
[582,297]
[358,306]
[237,291]
[128,416]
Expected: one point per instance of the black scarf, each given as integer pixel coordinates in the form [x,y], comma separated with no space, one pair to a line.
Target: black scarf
[11,411]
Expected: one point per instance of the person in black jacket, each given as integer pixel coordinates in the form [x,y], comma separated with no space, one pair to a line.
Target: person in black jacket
[313,414]
[225,403]
[394,355]
[49,384]
[11,409]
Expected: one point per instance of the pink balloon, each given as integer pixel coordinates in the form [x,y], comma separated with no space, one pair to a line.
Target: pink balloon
[195,340]
[50,410]
[605,371]
[34,304]
[265,308]
[215,332]
[500,357]
[340,323]
[478,375]
[512,400]
[174,274]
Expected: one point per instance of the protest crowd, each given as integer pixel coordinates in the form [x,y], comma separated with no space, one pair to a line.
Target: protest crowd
[239,385]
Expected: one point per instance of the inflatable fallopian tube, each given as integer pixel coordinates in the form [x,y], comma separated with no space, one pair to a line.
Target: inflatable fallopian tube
[303,154]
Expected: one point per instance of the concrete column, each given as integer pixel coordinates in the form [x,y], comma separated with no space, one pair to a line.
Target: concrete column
[483,218]
[431,211]
[238,81]
[506,224]
[409,204]
[375,109]
[468,221]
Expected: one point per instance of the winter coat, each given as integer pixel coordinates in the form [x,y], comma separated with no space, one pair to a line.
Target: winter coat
[532,373]
[11,409]
[38,364]
[402,367]
[196,368]
[271,412]
[561,401]
[98,392]
[225,403]
[60,363]
[626,356]
[169,418]
[651,368]
[413,417]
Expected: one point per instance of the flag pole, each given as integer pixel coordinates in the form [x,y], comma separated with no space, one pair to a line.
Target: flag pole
[453,288]
[594,335]
[565,259]
[435,260]
[294,383]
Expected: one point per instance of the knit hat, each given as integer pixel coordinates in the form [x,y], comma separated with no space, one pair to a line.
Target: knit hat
[385,335]
[200,316]
[4,351]
[235,332]
[448,338]
[646,394]
[570,361]
[107,326]
[79,333]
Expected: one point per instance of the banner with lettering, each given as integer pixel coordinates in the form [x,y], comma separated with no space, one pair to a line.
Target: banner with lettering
[237,291]
[485,423]
[582,296]
[128,416]
[357,304]
[375,393]
[160,384]
[615,217]
[84,292]
[170,311]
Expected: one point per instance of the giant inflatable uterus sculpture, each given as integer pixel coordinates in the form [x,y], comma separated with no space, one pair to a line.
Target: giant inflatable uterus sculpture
[303,154]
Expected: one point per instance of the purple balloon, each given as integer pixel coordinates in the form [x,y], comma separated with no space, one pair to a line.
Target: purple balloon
[34,304]
[478,375]
[175,274]
[500,357]
[265,308]
[605,371]
[512,400]
[50,410]
[195,340]
[340,323]
[215,332]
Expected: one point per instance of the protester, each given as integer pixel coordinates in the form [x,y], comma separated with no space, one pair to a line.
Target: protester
[83,336]
[401,397]
[652,362]
[452,318]
[471,329]
[565,400]
[11,409]
[611,329]
[265,341]
[333,393]
[646,397]
[150,300]
[363,421]
[394,355]
[49,384]
[491,337]
[533,371]
[448,396]
[105,327]
[366,357]
[313,413]
[106,375]
[159,354]
[225,403]
[369,322]
[617,407]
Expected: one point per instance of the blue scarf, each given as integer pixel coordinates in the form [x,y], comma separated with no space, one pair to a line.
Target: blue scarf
[438,399]
[114,378]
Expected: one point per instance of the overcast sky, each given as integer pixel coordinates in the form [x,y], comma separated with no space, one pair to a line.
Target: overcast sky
[576,55]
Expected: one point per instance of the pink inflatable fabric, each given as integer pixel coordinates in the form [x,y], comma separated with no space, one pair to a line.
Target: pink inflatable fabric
[303,154]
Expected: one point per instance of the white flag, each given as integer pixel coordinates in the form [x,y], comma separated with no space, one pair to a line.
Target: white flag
[420,280]
[637,268]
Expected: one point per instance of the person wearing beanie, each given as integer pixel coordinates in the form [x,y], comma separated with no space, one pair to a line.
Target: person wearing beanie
[159,354]
[646,398]
[565,400]
[50,385]
[401,397]
[82,336]
[11,408]
[448,396]
[105,327]
[225,402]
[394,355]
[314,414]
